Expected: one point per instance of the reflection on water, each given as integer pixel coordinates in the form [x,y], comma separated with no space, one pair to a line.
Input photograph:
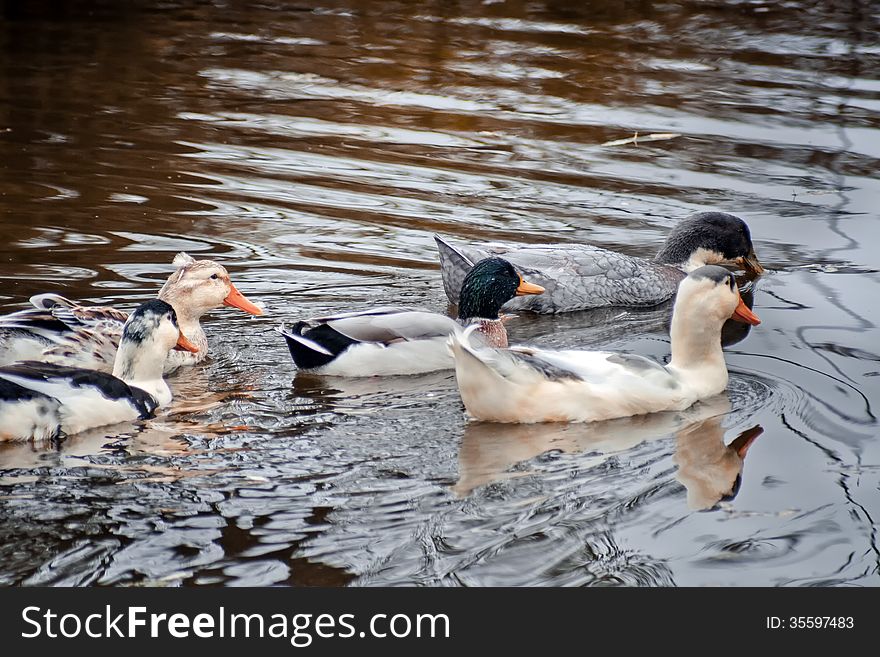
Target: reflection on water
[709,469]
[315,151]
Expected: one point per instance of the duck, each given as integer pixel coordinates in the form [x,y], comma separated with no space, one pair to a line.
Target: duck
[528,384]
[41,401]
[583,276]
[388,341]
[58,330]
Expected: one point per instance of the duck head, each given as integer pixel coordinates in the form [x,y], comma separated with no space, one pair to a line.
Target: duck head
[149,334]
[710,238]
[202,285]
[706,299]
[490,284]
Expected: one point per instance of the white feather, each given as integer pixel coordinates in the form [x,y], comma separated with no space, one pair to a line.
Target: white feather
[377,359]
[182,260]
[81,407]
[310,344]
[528,385]
[29,418]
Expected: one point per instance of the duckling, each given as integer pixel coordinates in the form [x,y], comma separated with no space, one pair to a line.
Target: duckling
[45,400]
[389,340]
[582,276]
[524,384]
[63,332]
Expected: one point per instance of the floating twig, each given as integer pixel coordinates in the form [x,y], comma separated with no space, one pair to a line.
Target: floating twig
[654,136]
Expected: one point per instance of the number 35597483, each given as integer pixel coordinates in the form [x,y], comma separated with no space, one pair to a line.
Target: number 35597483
[810,622]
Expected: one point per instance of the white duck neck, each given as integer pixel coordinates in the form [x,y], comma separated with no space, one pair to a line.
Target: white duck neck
[141,366]
[696,341]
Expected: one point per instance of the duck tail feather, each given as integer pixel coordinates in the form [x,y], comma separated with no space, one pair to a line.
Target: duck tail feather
[48,300]
[454,266]
[460,346]
[496,362]
[299,338]
[313,347]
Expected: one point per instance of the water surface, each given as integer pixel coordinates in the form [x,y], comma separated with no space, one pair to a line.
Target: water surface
[314,150]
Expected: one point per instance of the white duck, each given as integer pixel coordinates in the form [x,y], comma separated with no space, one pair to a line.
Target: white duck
[60,331]
[44,400]
[528,385]
[389,341]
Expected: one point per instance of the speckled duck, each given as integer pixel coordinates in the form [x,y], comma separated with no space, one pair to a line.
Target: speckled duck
[41,401]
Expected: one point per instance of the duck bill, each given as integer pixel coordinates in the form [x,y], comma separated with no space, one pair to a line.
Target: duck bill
[528,288]
[744,314]
[237,300]
[750,263]
[742,442]
[183,344]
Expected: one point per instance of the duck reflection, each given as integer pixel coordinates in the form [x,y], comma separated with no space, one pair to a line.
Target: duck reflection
[709,469]
[372,394]
[162,435]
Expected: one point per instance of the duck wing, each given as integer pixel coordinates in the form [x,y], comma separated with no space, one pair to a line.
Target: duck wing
[61,331]
[599,367]
[71,312]
[389,324]
[574,276]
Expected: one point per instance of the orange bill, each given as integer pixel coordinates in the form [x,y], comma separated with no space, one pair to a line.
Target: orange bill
[742,442]
[185,345]
[744,314]
[528,288]
[237,300]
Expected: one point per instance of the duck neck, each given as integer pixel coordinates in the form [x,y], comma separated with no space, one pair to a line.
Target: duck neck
[482,309]
[492,330]
[138,367]
[188,316]
[478,305]
[192,329]
[696,344]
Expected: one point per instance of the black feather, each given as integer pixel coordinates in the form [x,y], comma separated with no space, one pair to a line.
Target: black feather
[329,338]
[721,232]
[108,385]
[10,392]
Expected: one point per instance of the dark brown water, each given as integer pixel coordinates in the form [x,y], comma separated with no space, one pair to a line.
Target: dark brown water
[314,149]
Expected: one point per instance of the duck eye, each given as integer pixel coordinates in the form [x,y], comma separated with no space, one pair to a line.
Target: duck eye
[214,276]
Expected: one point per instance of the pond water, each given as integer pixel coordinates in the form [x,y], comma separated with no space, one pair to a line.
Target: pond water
[314,149]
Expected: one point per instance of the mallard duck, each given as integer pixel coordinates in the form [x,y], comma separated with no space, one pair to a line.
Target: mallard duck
[581,276]
[524,384]
[61,331]
[388,340]
[44,400]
